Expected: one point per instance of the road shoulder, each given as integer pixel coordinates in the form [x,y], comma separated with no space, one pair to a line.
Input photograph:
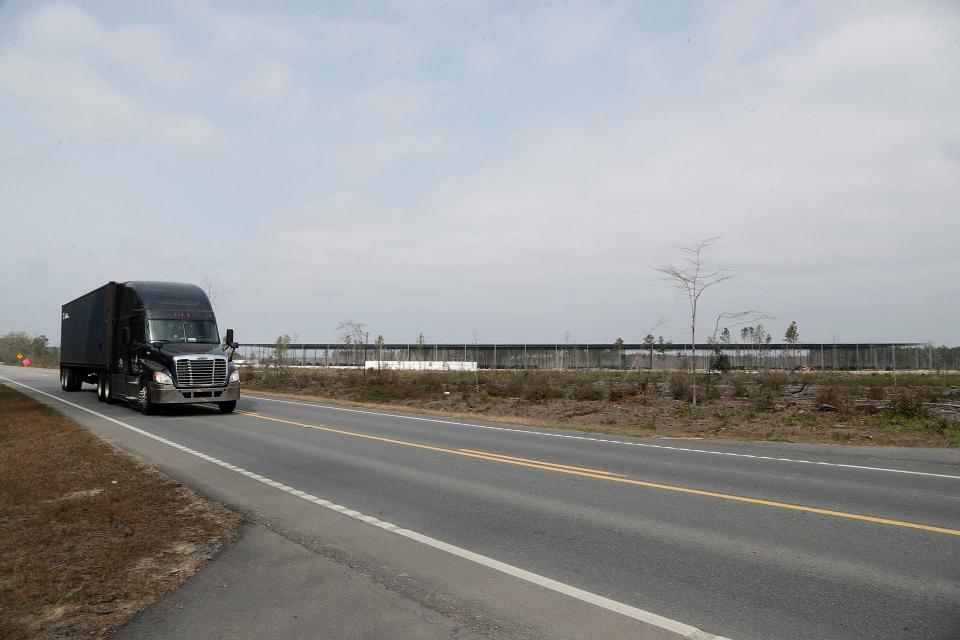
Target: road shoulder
[266,586]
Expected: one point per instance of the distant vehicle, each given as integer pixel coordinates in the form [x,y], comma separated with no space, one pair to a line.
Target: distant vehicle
[150,344]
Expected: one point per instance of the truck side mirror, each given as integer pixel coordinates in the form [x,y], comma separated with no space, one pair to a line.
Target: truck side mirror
[234,345]
[228,339]
[126,335]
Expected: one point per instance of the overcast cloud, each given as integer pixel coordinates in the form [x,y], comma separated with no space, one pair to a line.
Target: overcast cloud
[512,171]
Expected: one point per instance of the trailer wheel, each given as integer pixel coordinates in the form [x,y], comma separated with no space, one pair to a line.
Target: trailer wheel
[147,407]
[228,406]
[69,379]
[100,392]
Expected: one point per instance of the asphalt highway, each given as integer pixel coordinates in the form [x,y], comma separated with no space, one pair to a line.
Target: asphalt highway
[748,541]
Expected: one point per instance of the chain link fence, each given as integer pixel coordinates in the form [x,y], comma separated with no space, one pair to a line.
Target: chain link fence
[749,357]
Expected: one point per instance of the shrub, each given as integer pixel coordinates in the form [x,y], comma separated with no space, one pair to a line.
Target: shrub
[507,386]
[875,392]
[739,389]
[771,381]
[385,394]
[940,425]
[680,388]
[618,393]
[765,401]
[539,390]
[720,362]
[908,405]
[686,411]
[586,392]
[830,396]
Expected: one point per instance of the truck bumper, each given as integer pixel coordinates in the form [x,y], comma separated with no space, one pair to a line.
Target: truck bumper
[167,394]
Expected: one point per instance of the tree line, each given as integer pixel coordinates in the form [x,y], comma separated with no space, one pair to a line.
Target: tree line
[36,348]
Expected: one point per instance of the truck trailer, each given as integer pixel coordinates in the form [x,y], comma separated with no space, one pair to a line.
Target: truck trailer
[149,344]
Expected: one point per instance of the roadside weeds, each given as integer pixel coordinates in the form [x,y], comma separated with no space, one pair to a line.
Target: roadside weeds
[909,410]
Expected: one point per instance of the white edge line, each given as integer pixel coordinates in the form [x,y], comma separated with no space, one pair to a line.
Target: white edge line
[604,440]
[684,630]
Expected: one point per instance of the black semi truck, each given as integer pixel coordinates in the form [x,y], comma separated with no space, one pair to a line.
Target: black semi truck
[150,344]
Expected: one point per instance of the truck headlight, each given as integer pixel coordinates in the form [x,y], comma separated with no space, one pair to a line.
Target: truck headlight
[161,378]
[235,375]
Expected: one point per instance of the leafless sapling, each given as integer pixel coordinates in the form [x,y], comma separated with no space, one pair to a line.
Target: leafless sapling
[354,334]
[730,319]
[648,340]
[690,279]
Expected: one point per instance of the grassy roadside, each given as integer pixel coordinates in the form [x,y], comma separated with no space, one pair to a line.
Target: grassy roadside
[905,410]
[89,535]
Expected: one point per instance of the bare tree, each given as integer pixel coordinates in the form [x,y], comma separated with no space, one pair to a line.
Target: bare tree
[379,343]
[758,336]
[792,336]
[739,318]
[421,343]
[213,291]
[730,319]
[648,340]
[354,333]
[279,359]
[476,354]
[691,279]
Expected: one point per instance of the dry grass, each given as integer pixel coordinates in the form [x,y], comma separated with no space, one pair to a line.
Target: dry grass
[88,535]
[767,406]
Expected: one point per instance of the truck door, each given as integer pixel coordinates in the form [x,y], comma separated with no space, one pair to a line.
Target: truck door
[138,342]
[123,380]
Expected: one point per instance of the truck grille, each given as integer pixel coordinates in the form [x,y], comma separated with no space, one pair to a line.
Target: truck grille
[201,372]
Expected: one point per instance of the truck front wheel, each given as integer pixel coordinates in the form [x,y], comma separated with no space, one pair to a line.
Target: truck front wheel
[227,407]
[147,407]
[104,390]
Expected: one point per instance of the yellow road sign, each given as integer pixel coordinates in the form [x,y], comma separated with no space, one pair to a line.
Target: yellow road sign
[19,356]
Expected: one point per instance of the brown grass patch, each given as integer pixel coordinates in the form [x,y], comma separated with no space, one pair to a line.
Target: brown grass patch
[771,405]
[89,535]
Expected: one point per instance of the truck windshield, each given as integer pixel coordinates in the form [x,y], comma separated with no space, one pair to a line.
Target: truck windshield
[204,331]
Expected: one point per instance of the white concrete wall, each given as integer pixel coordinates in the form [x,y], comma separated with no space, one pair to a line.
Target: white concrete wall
[422,365]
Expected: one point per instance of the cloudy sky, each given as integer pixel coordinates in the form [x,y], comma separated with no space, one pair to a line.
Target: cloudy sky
[507,170]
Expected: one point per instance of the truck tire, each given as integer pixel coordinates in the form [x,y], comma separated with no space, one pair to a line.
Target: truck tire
[147,407]
[104,391]
[228,406]
[69,379]
[74,380]
[108,389]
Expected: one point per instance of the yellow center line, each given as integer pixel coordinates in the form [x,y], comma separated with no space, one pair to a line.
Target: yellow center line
[555,465]
[602,475]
